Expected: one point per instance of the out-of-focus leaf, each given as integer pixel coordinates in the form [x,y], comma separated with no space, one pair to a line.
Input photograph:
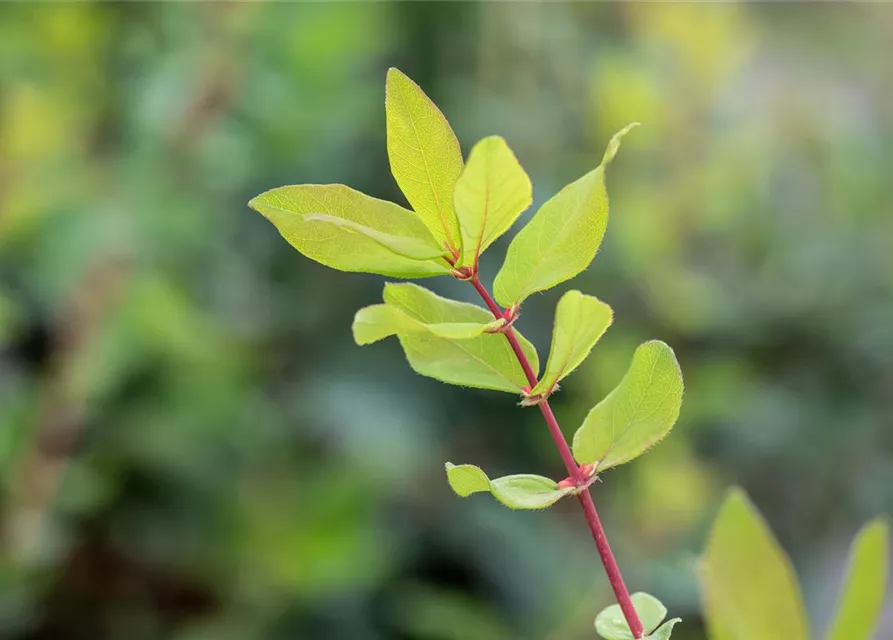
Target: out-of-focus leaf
[378,321]
[561,239]
[486,361]
[521,491]
[637,414]
[611,623]
[861,597]
[350,231]
[425,156]
[491,193]
[580,321]
[748,586]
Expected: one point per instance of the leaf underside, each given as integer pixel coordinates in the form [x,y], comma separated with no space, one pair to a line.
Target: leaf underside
[379,321]
[485,361]
[350,231]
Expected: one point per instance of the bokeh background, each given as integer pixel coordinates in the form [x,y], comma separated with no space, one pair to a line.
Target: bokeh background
[192,447]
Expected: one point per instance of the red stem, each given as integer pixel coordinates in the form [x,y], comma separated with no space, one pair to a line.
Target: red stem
[595,525]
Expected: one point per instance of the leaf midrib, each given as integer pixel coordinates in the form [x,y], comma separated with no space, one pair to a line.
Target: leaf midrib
[443,221]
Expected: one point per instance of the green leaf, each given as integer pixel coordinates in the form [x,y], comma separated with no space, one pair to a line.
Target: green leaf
[378,321]
[580,321]
[638,413]
[485,361]
[748,586]
[611,624]
[561,239]
[522,491]
[425,156]
[350,231]
[491,193]
[665,630]
[466,479]
[861,599]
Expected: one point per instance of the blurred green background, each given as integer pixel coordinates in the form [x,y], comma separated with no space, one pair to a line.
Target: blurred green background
[192,447]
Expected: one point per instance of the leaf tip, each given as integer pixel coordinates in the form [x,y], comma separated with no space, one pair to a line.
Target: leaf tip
[256,203]
[614,143]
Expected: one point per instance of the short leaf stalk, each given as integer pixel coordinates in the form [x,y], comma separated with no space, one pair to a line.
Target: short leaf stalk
[460,209]
[574,472]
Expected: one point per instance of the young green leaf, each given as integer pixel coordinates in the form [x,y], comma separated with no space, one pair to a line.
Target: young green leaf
[350,231]
[522,491]
[491,193]
[638,413]
[378,321]
[425,156]
[748,586]
[485,361]
[466,479]
[561,239]
[580,321]
[862,594]
[663,633]
[610,624]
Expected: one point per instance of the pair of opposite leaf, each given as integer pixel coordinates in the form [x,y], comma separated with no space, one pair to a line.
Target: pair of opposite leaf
[459,210]
[638,413]
[750,591]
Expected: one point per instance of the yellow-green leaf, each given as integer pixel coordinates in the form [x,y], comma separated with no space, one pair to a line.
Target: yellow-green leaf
[408,247]
[466,479]
[637,414]
[425,156]
[561,239]
[491,193]
[861,597]
[350,231]
[485,361]
[521,491]
[580,321]
[378,321]
[748,586]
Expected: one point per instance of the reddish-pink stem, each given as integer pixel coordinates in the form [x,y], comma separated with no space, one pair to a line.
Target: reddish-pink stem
[595,525]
